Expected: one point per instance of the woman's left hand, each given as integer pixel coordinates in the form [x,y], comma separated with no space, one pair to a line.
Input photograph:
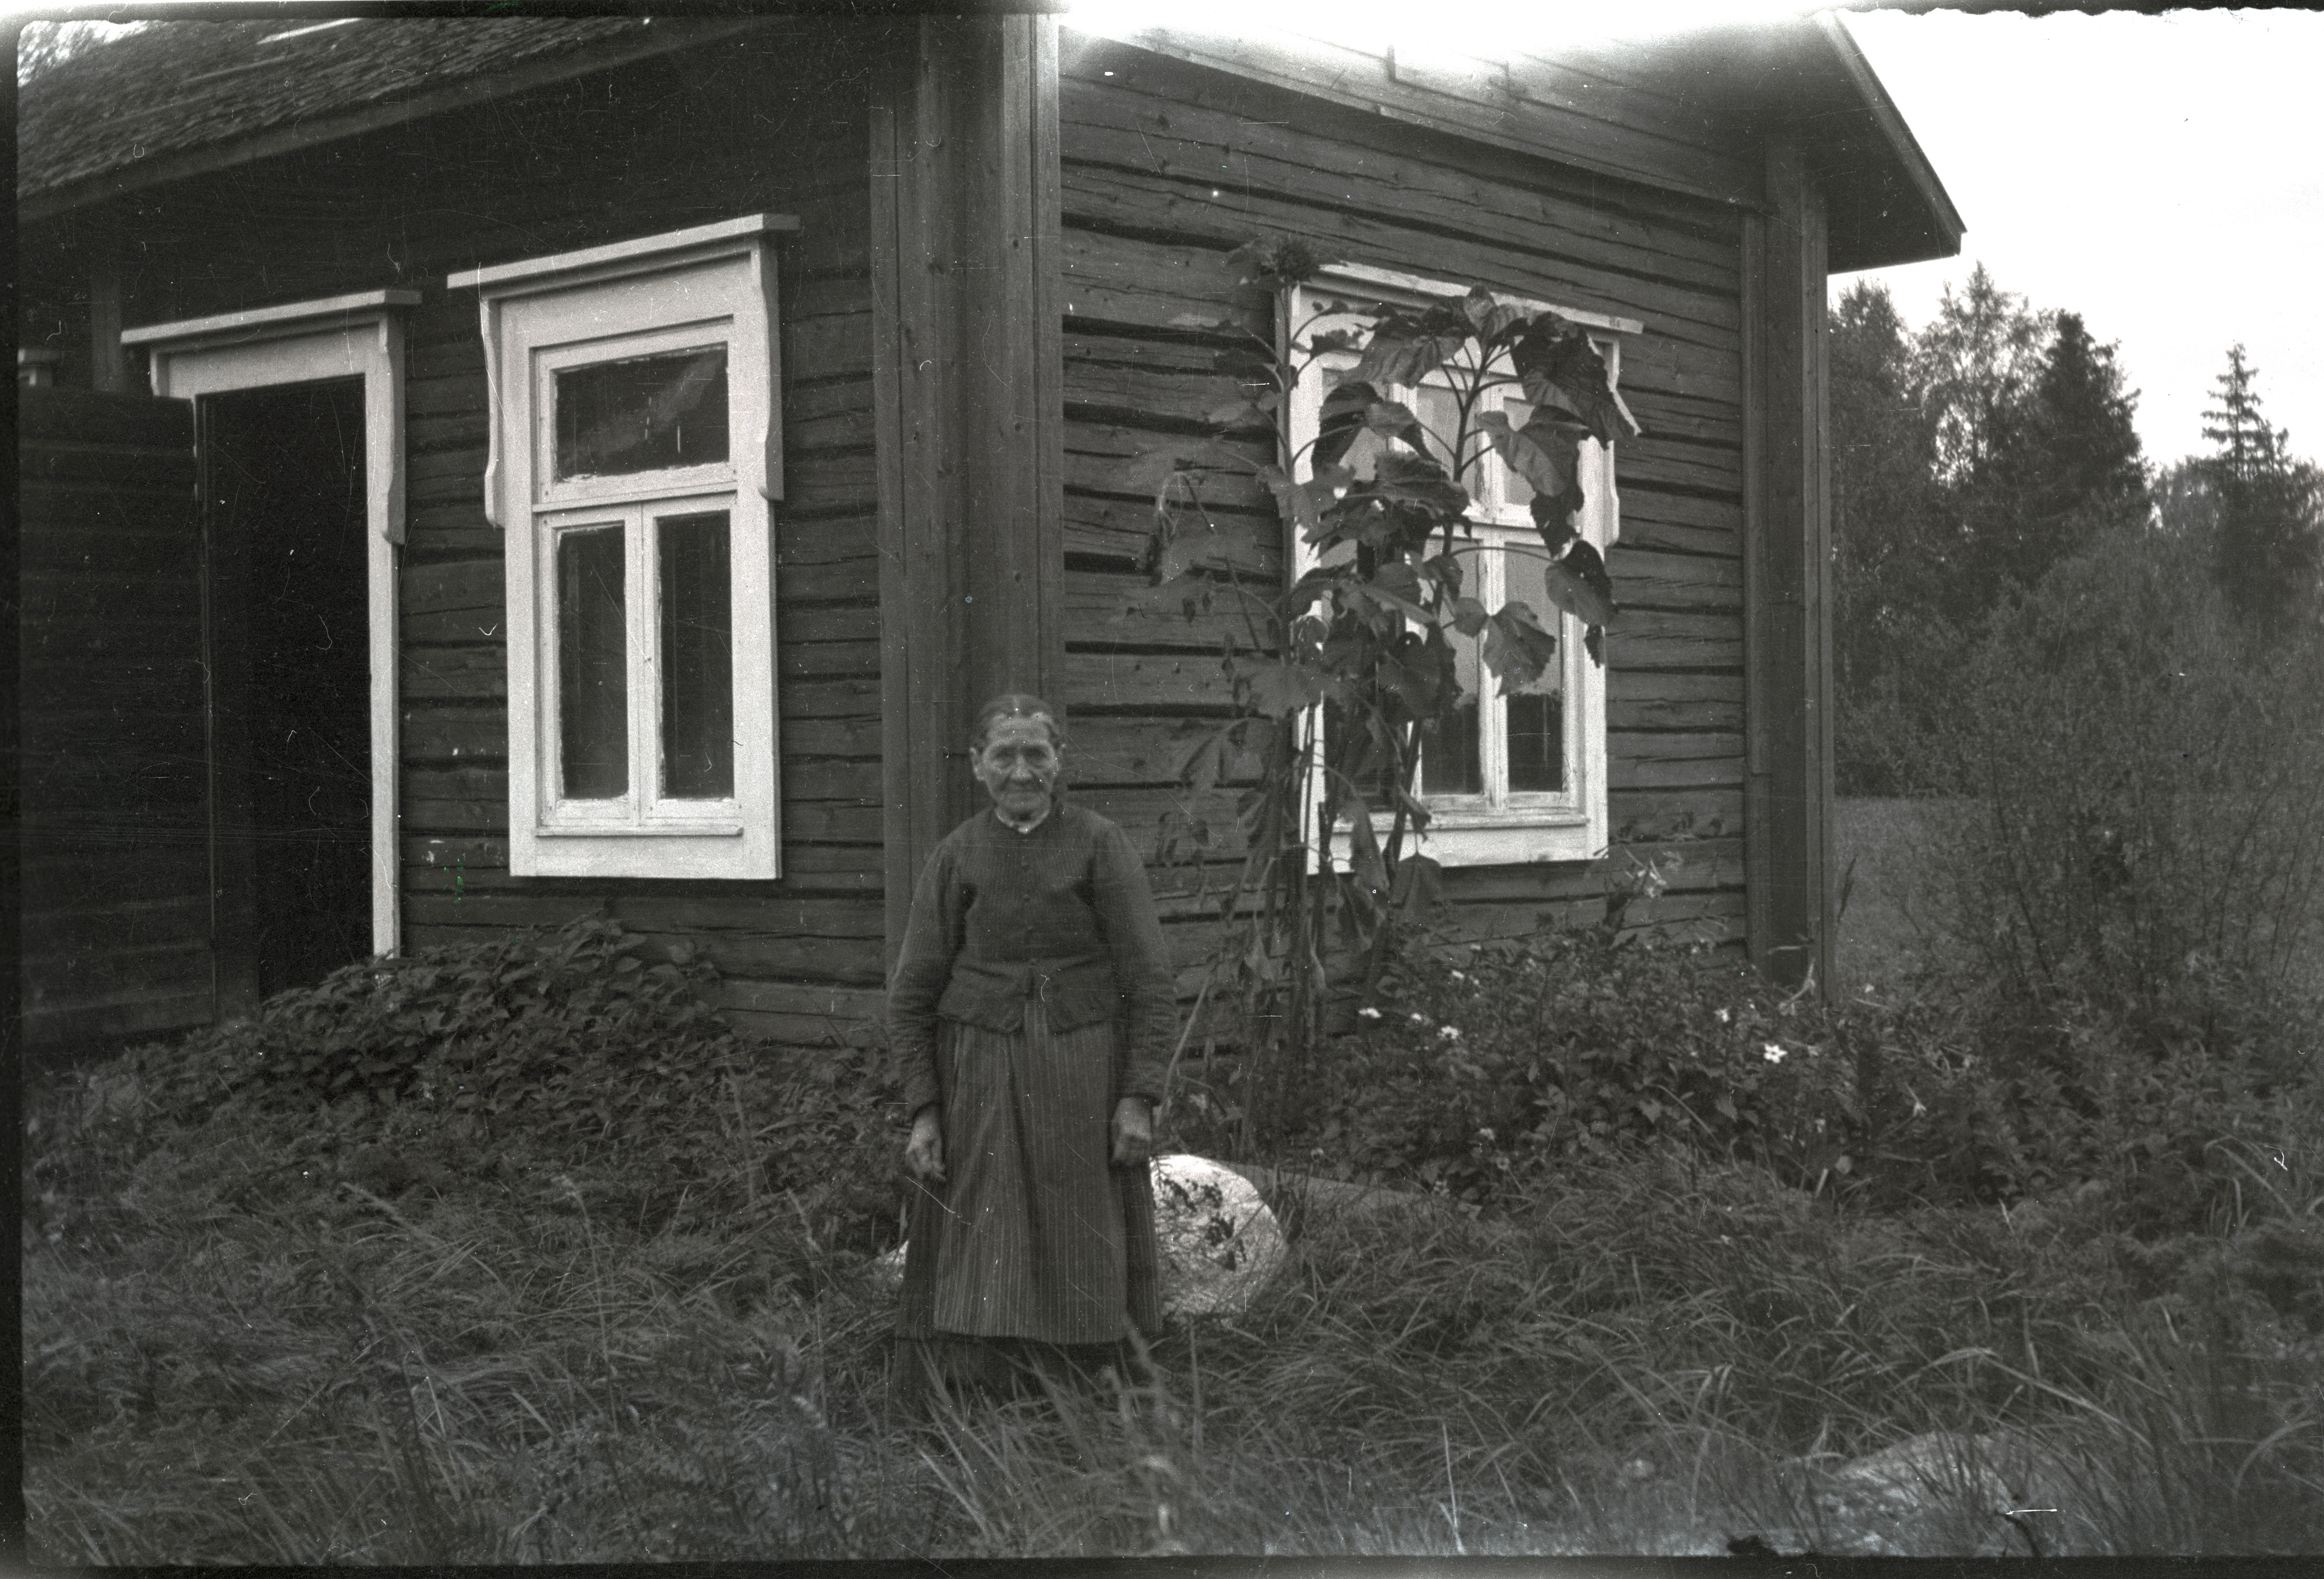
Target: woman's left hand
[1133,1133]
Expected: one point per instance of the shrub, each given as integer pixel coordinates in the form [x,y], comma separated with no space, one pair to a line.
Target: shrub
[1523,1067]
[547,1052]
[2144,846]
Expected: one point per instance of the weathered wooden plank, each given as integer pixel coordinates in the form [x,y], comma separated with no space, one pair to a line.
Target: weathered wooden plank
[1229,543]
[1191,149]
[1664,639]
[1331,71]
[1187,682]
[1143,751]
[118,1017]
[1643,578]
[1656,813]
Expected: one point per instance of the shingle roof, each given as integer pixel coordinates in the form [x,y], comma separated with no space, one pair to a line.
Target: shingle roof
[174,87]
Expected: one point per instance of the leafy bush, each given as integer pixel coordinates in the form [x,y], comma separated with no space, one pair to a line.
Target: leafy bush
[1523,1067]
[547,1050]
[2144,850]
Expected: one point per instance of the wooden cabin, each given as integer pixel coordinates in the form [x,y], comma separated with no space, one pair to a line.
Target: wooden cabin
[797,361]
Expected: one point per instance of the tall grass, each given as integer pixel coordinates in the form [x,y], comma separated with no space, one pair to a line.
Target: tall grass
[242,1346]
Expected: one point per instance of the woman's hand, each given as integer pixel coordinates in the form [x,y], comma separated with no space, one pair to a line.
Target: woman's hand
[1133,1133]
[924,1152]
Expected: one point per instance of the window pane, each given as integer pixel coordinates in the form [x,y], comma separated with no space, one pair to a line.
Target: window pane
[593,688]
[642,414]
[1515,489]
[1536,718]
[697,659]
[1440,413]
[1449,760]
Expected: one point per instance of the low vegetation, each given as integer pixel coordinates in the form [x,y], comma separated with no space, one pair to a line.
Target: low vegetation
[563,1272]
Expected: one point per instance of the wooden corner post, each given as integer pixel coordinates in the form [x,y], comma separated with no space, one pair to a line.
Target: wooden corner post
[967,368]
[1787,580]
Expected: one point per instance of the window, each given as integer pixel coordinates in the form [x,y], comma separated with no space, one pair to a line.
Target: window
[636,437]
[1514,777]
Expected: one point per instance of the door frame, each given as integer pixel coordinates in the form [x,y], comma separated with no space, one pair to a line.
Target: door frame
[359,336]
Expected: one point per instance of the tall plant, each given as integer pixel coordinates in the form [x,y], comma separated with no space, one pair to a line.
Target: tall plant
[1344,672]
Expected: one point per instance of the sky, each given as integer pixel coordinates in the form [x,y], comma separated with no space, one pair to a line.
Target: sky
[2162,176]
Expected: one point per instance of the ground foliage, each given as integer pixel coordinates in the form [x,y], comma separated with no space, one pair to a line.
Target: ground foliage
[280,1318]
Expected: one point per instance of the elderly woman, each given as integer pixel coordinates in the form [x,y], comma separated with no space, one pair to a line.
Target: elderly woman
[1031,1014]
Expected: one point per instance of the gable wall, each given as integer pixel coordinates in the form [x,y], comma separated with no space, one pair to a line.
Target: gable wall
[776,122]
[1166,167]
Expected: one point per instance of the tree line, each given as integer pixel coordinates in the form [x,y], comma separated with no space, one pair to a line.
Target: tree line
[1974,456]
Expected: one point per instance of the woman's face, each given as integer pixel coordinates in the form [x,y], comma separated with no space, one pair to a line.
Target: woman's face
[1018,766]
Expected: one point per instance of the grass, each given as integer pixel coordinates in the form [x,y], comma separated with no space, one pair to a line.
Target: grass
[1888,931]
[243,1344]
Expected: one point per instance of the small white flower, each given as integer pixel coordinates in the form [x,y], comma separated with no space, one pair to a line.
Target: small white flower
[1774,1054]
[1418,1018]
[1367,1012]
[1723,1016]
[1450,1033]
[1460,976]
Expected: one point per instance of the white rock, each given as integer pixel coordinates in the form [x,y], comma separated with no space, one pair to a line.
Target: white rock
[1219,1243]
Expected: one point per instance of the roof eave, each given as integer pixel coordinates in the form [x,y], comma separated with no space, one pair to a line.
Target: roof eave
[665,36]
[1929,227]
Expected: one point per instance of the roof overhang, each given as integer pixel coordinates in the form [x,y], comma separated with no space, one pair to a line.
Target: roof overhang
[204,159]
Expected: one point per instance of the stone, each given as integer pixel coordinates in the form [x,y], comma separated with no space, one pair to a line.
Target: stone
[1219,1242]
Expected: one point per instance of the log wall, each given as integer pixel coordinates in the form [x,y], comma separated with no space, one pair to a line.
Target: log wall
[1168,166]
[775,122]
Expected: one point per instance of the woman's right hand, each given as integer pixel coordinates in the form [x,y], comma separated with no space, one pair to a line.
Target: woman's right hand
[924,1152]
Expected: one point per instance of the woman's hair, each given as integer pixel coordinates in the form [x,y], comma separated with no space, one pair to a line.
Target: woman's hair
[1017,704]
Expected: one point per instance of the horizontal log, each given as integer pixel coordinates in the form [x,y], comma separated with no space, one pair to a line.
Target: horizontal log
[1656,813]
[808,871]
[1395,174]
[1691,346]
[1226,543]
[53,415]
[1418,225]
[1185,682]
[150,918]
[1644,579]
[1661,639]
[1112,611]
[1133,752]
[118,1018]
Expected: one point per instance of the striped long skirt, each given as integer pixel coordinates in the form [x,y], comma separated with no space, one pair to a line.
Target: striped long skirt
[1035,1247]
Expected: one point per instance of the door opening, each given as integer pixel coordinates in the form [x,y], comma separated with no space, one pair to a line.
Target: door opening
[283,490]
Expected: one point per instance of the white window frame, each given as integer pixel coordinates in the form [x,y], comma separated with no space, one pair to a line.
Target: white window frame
[1496,828]
[357,336]
[712,284]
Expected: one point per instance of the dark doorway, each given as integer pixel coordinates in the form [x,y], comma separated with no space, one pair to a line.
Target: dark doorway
[283,485]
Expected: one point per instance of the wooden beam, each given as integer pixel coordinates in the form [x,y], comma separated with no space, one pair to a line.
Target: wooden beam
[970,414]
[1787,571]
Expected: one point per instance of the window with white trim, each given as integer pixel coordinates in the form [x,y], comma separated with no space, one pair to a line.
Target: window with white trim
[1517,776]
[636,432]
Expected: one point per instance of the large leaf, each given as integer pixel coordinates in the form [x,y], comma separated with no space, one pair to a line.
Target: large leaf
[1469,616]
[1546,455]
[1418,480]
[1516,648]
[1559,367]
[1488,315]
[1280,689]
[1579,585]
[1553,517]
[1342,422]
[1409,345]
[1394,419]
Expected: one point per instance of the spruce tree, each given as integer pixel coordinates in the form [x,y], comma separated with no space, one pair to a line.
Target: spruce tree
[2268,546]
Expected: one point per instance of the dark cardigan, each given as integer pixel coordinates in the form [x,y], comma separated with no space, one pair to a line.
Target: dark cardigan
[1063,914]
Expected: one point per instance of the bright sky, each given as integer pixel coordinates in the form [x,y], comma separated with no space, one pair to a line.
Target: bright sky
[2162,176]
